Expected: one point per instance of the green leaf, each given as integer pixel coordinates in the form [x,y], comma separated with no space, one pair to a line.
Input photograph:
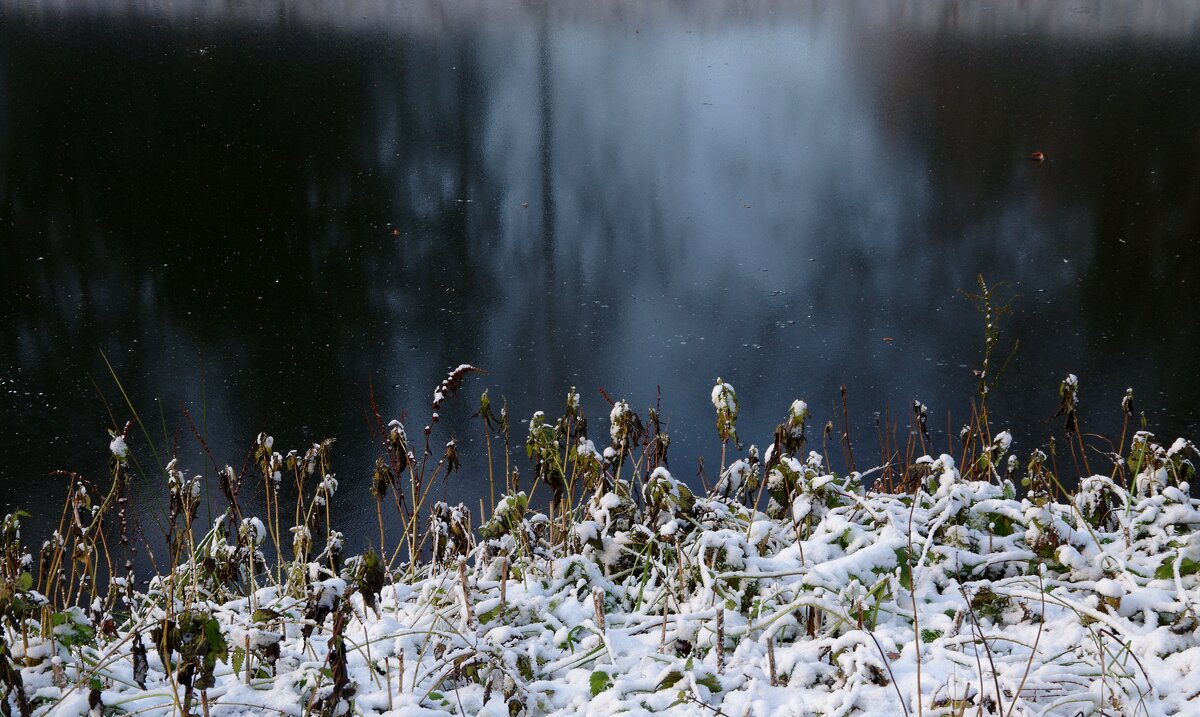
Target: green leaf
[216,641]
[902,558]
[1165,570]
[25,581]
[711,682]
[600,681]
[485,618]
[265,615]
[239,658]
[671,679]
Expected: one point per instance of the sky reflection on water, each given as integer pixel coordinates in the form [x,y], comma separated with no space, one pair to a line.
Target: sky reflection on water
[258,218]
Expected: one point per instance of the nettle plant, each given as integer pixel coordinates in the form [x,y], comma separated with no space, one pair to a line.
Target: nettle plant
[785,572]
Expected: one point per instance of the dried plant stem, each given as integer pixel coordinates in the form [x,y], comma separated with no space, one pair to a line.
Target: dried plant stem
[468,610]
[598,604]
[771,661]
[387,677]
[487,441]
[503,583]
[721,638]
[846,433]
[662,636]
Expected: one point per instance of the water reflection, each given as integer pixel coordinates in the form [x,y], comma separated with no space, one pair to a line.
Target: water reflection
[259,216]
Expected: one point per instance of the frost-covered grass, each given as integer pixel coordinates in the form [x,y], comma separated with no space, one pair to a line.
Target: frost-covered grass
[784,589]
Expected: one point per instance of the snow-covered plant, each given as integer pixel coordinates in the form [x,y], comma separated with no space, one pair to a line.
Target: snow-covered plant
[589,465]
[740,479]
[543,448]
[789,435]
[512,530]
[396,444]
[196,640]
[992,457]
[725,401]
[1098,501]
[1038,478]
[801,491]
[619,423]
[666,499]
[625,429]
[17,597]
[640,596]
[450,530]
[1068,392]
[1155,467]
[921,415]
[607,533]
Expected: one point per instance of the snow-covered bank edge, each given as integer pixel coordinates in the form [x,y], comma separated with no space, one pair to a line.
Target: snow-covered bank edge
[1022,606]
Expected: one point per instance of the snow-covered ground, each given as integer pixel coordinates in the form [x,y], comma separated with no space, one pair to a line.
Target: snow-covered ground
[956,598]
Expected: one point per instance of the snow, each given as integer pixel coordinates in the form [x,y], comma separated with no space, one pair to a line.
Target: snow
[254,529]
[1003,441]
[1109,588]
[724,398]
[619,422]
[1054,603]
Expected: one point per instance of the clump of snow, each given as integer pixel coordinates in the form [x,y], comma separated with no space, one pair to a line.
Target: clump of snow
[1109,588]
[254,530]
[798,410]
[619,420]
[118,448]
[1003,441]
[1179,446]
[724,398]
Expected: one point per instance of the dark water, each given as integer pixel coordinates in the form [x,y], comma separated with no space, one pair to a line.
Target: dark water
[259,212]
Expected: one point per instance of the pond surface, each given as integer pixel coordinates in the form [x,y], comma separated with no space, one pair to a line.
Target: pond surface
[259,213]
